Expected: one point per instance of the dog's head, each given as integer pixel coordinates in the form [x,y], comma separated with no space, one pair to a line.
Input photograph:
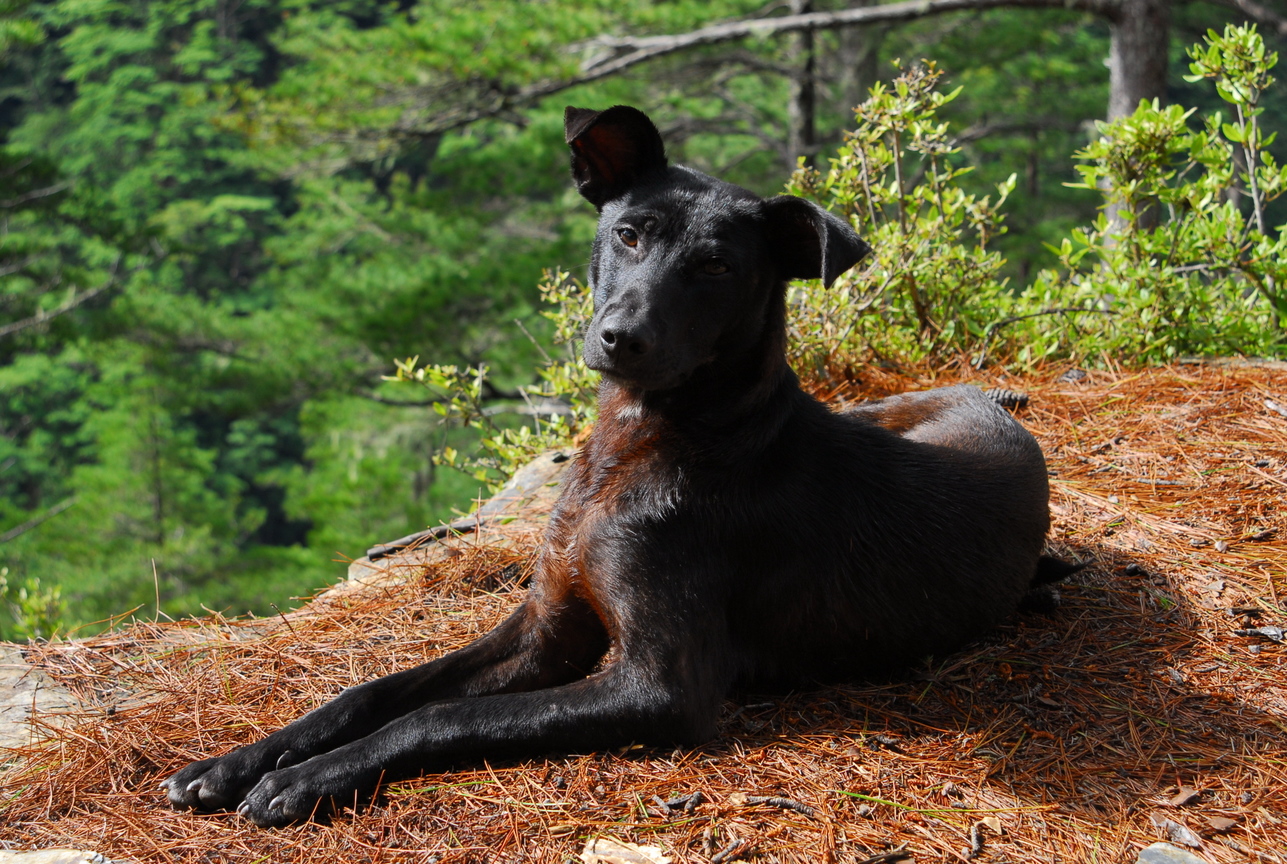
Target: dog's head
[686,269]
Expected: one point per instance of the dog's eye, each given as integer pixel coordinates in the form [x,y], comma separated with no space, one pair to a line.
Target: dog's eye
[628,236]
[715,267]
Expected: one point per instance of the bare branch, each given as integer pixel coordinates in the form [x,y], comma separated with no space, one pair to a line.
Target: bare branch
[1005,322]
[742,60]
[67,306]
[1014,127]
[1261,15]
[14,267]
[617,54]
[19,530]
[401,403]
[628,51]
[540,408]
[35,194]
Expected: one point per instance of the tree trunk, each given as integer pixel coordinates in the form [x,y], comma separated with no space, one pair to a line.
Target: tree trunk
[1137,63]
[1141,35]
[859,59]
[801,132]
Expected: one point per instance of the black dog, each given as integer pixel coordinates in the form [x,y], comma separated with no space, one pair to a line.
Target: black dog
[721,528]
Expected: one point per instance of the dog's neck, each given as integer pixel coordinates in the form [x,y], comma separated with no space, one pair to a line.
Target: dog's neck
[698,418]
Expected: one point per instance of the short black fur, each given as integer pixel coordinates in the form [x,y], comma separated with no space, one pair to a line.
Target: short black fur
[719,529]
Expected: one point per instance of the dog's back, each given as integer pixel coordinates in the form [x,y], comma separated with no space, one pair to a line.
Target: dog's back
[843,543]
[927,513]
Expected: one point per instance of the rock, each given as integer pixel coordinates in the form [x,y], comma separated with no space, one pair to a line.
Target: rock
[522,503]
[537,479]
[1165,853]
[55,856]
[25,690]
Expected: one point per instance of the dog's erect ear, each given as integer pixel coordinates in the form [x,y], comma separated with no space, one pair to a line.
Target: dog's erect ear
[810,242]
[611,150]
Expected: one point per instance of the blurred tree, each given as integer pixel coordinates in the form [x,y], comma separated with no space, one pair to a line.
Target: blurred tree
[223,220]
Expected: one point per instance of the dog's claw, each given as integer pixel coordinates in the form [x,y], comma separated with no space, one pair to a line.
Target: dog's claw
[164,784]
[193,786]
[284,760]
[243,809]
[275,803]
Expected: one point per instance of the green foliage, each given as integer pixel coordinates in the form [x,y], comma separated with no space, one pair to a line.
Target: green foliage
[133,232]
[219,220]
[934,282]
[17,30]
[193,346]
[369,475]
[1183,264]
[362,93]
[32,610]
[1028,81]
[564,396]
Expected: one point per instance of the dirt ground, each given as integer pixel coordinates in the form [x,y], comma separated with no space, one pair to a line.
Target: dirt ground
[1150,705]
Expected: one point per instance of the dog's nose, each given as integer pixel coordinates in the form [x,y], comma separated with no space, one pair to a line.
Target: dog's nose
[628,341]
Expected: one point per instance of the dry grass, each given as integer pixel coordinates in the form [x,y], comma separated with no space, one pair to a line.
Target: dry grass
[1076,731]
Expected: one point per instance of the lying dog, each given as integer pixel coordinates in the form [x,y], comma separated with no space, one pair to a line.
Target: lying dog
[720,528]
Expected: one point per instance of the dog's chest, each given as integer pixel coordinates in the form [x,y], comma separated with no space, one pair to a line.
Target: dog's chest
[623,503]
[611,528]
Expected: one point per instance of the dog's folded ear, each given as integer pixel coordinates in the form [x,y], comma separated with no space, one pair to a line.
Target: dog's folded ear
[611,150]
[810,242]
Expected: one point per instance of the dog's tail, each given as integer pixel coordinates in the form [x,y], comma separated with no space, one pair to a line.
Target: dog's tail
[1051,569]
[1042,596]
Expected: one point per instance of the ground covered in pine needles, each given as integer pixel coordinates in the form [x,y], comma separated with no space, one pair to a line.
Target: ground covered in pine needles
[1150,705]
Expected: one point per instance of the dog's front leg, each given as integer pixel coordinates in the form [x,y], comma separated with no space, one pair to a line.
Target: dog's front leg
[626,702]
[542,644]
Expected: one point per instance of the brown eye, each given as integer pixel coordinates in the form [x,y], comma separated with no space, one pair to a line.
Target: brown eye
[715,267]
[628,236]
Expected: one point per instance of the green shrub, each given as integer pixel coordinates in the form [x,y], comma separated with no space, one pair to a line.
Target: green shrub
[932,284]
[1180,262]
[34,611]
[1185,265]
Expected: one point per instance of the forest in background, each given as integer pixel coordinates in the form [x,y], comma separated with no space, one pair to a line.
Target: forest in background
[225,220]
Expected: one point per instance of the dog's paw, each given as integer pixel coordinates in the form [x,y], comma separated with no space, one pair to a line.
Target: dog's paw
[312,788]
[220,783]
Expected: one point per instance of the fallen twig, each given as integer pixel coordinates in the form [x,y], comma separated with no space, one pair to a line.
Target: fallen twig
[784,803]
[735,847]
